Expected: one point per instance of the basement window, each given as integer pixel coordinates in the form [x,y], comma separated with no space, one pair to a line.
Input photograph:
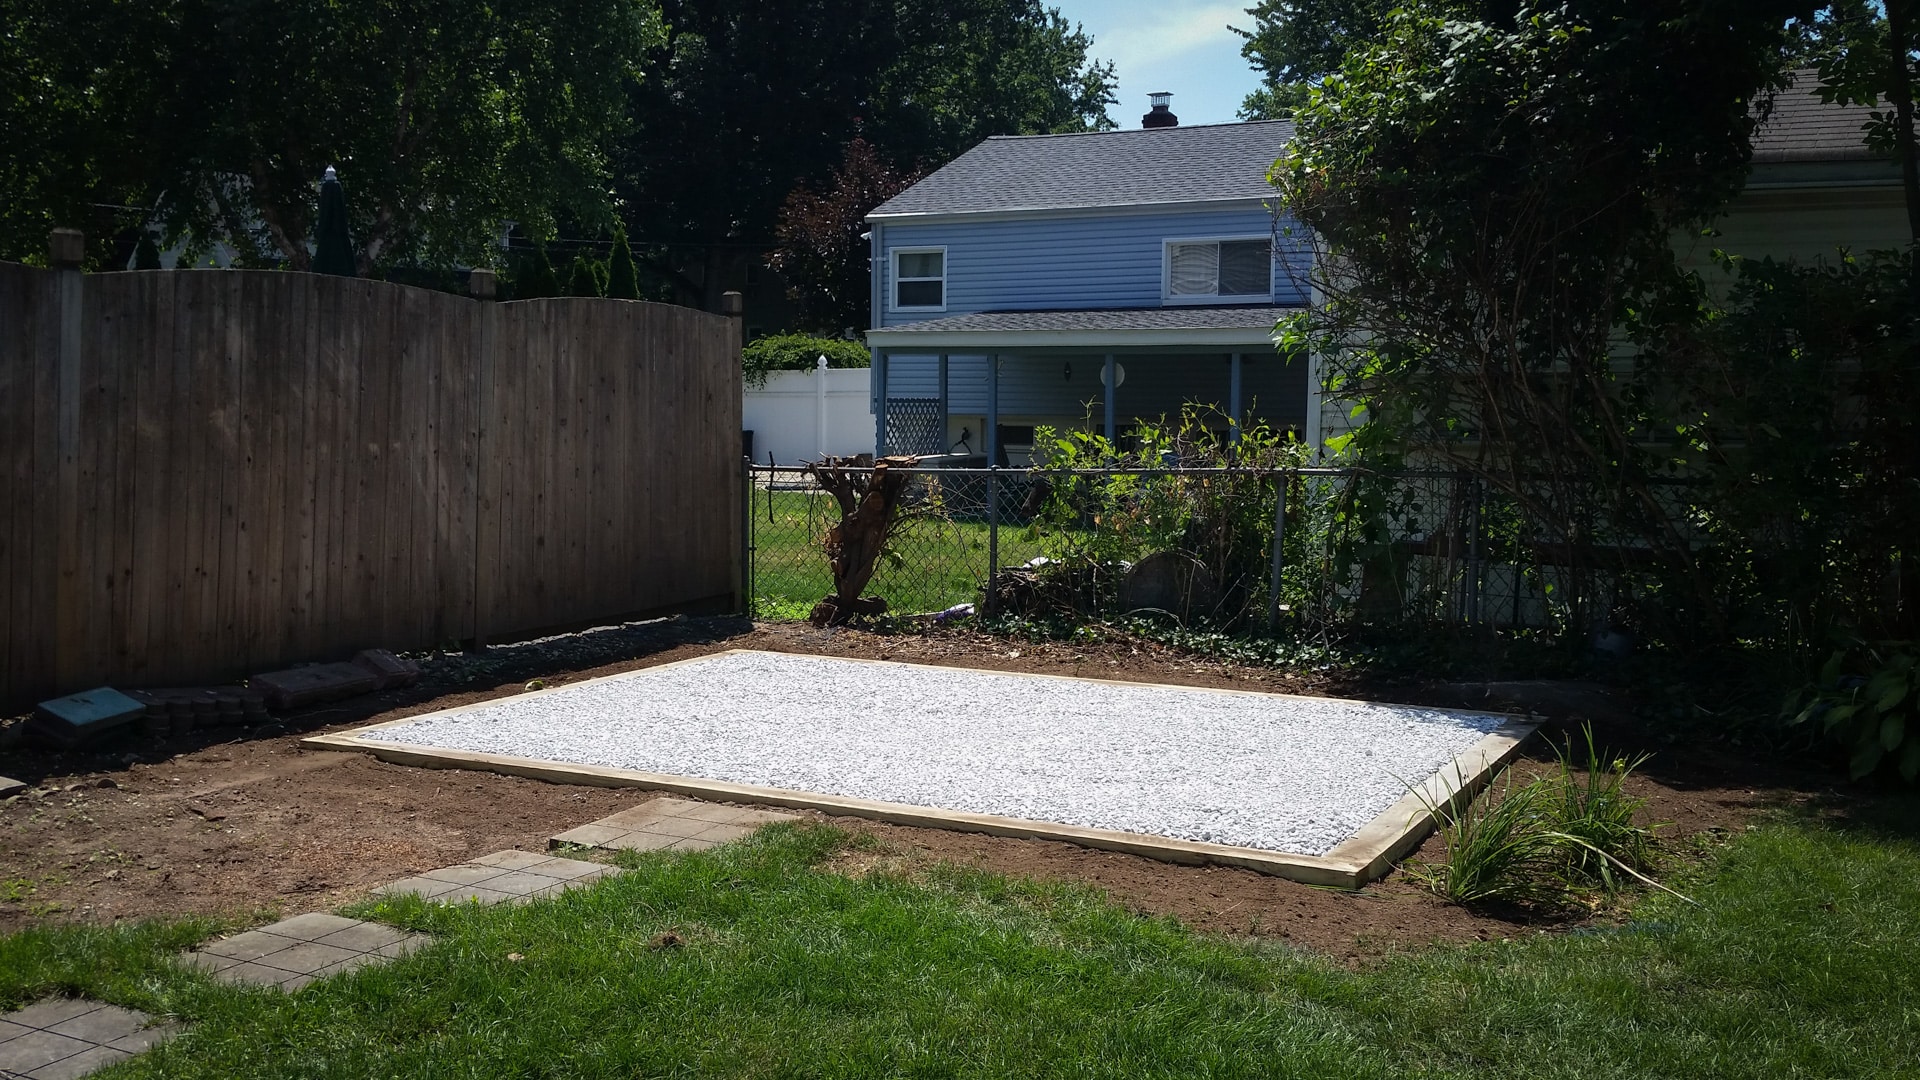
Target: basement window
[920,279]
[1233,269]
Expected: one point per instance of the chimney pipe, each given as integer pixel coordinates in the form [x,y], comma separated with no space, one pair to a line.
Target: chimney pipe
[1162,114]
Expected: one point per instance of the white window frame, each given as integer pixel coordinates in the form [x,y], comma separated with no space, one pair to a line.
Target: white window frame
[893,278]
[1166,270]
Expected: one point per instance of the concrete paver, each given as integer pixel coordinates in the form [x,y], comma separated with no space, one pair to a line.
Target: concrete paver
[64,1038]
[671,825]
[502,877]
[293,952]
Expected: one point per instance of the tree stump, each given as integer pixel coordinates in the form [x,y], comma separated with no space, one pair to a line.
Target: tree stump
[869,514]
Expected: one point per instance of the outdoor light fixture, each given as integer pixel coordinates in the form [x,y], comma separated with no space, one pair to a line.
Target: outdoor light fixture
[1069,371]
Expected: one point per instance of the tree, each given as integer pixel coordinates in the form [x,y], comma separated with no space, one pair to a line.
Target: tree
[623,280]
[584,278]
[1296,43]
[1495,197]
[443,118]
[734,114]
[821,254]
[534,277]
[1865,52]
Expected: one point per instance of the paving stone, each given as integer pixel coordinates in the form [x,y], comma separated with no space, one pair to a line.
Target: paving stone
[62,1038]
[670,825]
[515,859]
[80,1064]
[10,786]
[503,876]
[464,874]
[46,1014]
[146,1038]
[312,926]
[251,945]
[591,836]
[307,958]
[425,888]
[102,1025]
[308,947]
[37,1049]
[365,937]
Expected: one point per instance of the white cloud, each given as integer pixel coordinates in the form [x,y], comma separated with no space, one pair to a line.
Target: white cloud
[1151,35]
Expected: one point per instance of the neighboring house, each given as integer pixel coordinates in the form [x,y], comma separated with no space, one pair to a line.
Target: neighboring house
[1010,282]
[1815,187]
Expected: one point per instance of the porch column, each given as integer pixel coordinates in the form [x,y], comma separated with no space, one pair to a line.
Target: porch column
[1107,378]
[993,410]
[880,404]
[943,406]
[1233,400]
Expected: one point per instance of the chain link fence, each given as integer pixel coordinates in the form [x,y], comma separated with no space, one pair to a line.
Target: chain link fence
[1238,548]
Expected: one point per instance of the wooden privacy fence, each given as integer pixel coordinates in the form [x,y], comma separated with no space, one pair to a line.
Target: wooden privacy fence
[206,473]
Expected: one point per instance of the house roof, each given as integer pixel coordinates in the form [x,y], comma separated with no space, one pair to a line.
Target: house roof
[1804,128]
[1137,167]
[1242,325]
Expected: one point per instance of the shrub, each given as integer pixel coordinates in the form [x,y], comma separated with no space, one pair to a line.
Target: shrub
[623,278]
[1868,704]
[533,276]
[585,277]
[799,352]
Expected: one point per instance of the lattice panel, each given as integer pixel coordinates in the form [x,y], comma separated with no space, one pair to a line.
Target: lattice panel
[916,426]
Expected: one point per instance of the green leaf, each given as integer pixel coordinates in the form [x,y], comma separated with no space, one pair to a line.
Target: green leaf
[1866,759]
[1893,731]
[1830,672]
[1839,713]
[1891,694]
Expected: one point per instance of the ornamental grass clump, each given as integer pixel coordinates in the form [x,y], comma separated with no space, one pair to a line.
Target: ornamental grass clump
[1550,841]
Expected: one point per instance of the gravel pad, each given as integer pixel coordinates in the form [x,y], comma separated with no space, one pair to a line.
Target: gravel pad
[1286,774]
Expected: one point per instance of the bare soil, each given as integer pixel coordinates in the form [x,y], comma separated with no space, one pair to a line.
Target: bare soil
[243,823]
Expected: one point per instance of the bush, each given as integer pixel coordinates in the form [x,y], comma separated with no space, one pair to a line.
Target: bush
[1867,703]
[799,352]
[623,278]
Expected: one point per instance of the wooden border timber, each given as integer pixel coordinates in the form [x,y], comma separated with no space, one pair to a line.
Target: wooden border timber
[1366,855]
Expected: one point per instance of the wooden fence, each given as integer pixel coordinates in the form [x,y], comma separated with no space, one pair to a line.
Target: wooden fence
[206,473]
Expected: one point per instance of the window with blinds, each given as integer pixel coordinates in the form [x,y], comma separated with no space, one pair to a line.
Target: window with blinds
[920,279]
[1219,269]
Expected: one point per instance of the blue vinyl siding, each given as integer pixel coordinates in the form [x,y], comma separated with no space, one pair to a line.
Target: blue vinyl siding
[1036,387]
[1105,261]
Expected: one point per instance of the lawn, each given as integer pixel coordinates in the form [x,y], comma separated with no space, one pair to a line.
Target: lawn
[938,559]
[1797,961]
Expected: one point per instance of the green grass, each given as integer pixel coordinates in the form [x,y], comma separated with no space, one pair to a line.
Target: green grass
[937,561]
[1798,962]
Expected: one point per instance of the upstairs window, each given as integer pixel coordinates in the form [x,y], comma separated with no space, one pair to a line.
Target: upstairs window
[1219,270]
[920,279]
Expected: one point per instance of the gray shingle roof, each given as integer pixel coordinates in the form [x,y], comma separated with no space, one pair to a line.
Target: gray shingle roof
[1804,128]
[1137,167]
[1242,317]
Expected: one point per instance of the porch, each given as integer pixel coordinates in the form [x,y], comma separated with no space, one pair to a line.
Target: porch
[980,384]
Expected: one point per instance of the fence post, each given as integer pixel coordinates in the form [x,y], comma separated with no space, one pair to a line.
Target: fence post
[734,307]
[67,249]
[1279,535]
[746,533]
[993,538]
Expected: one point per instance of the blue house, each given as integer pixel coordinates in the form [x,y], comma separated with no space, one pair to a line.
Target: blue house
[1099,278]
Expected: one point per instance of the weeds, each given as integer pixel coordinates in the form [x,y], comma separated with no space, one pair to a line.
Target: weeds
[1549,840]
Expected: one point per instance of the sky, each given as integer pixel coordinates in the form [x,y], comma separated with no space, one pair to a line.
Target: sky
[1182,46]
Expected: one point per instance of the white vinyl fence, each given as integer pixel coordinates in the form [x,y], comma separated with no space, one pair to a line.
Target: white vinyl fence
[806,415]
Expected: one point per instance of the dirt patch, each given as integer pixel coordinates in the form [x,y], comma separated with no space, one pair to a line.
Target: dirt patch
[211,824]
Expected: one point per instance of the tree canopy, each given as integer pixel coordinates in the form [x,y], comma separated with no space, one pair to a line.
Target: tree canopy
[218,116]
[1495,196]
[747,100]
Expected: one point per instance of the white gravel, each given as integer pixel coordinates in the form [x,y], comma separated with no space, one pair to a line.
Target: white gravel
[1296,775]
